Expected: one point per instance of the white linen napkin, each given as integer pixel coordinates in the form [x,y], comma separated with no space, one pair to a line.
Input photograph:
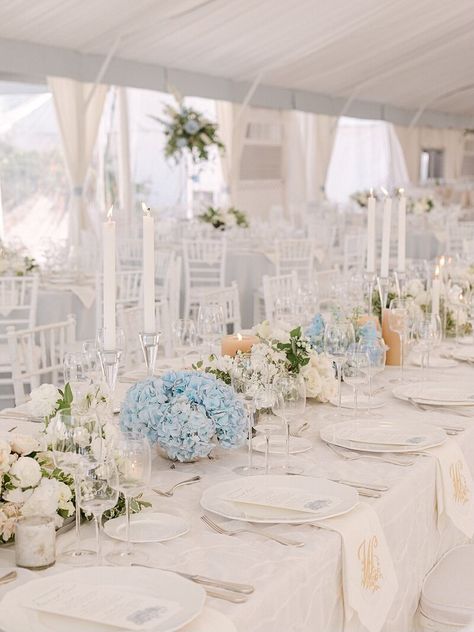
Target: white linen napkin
[368,576]
[454,487]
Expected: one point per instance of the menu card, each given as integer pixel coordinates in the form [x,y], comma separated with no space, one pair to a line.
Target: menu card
[281,498]
[114,606]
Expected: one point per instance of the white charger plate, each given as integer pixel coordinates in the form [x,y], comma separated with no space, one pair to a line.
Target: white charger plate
[213,499]
[277,445]
[14,617]
[437,393]
[147,527]
[347,401]
[365,435]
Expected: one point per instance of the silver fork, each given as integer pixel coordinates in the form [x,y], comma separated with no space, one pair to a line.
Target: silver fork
[354,456]
[169,492]
[9,577]
[223,531]
[299,431]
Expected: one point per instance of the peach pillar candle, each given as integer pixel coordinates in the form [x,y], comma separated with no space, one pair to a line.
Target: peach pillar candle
[392,340]
[230,345]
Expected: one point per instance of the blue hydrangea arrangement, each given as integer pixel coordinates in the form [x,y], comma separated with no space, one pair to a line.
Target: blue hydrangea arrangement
[315,333]
[183,412]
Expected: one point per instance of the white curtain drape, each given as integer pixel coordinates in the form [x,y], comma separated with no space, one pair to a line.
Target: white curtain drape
[414,139]
[232,134]
[79,109]
[309,141]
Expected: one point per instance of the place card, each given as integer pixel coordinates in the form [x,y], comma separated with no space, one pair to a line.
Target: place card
[281,498]
[114,606]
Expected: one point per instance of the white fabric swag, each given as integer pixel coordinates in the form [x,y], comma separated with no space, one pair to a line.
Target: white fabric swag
[79,109]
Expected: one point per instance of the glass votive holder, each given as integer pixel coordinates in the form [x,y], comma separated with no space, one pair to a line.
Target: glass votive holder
[35,542]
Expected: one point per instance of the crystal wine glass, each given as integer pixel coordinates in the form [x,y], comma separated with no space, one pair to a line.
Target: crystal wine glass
[76,373]
[210,324]
[427,334]
[99,492]
[355,371]
[289,405]
[133,458]
[184,336]
[376,351]
[75,446]
[338,337]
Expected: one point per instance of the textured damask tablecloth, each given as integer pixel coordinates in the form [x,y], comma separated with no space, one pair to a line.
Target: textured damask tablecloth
[299,589]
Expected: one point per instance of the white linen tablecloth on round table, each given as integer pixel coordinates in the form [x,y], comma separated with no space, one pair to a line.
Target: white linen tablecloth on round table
[299,589]
[55,305]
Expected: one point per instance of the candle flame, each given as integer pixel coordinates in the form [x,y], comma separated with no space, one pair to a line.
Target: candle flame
[437,271]
[110,212]
[401,191]
[371,191]
[146,209]
[239,337]
[384,191]
[442,261]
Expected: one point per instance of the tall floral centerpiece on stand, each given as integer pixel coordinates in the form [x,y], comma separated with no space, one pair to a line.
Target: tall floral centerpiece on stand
[15,261]
[224,219]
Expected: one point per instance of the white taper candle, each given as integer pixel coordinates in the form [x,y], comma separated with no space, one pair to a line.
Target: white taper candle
[387,226]
[371,233]
[109,281]
[402,231]
[149,321]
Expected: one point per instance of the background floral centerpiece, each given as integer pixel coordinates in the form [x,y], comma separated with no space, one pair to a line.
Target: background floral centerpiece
[47,400]
[186,129]
[223,219]
[421,205]
[15,262]
[362,197]
[281,350]
[186,413]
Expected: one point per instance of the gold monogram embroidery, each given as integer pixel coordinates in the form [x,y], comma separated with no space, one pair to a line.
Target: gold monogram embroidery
[371,573]
[460,488]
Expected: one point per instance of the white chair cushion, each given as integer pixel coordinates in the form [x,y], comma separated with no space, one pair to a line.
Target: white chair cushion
[447,595]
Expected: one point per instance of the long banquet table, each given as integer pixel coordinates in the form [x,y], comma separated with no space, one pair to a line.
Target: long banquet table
[299,589]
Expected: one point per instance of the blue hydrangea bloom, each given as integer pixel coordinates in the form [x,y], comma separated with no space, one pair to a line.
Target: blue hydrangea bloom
[315,333]
[369,341]
[184,412]
[368,331]
[191,126]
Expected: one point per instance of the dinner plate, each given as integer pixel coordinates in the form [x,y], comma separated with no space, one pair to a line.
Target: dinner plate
[347,401]
[435,362]
[147,527]
[466,340]
[383,436]
[330,499]
[15,617]
[278,445]
[464,355]
[437,393]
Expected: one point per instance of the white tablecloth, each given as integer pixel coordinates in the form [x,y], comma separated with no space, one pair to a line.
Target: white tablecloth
[55,305]
[299,590]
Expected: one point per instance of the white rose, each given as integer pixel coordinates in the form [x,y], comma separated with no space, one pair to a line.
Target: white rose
[25,444]
[64,497]
[26,471]
[17,495]
[263,330]
[4,456]
[44,400]
[44,499]
[423,298]
[312,380]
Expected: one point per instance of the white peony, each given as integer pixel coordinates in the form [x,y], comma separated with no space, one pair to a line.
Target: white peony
[312,380]
[5,453]
[44,400]
[26,472]
[44,500]
[26,444]
[263,330]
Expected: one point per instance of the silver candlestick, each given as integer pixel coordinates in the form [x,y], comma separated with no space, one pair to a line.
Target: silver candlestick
[149,344]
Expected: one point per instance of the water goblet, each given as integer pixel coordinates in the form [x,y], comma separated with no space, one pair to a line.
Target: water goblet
[243,385]
[427,332]
[376,351]
[132,456]
[75,442]
[210,324]
[289,405]
[400,315]
[355,371]
[99,492]
[338,337]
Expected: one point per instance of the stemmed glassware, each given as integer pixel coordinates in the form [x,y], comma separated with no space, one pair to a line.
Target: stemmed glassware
[289,404]
[376,351]
[99,492]
[132,456]
[76,372]
[428,334]
[90,351]
[210,324]
[338,337]
[184,337]
[400,315]
[110,358]
[76,446]
[355,371]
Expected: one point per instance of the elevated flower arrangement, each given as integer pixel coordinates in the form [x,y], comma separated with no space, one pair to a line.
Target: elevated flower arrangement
[362,197]
[223,219]
[14,261]
[421,205]
[187,130]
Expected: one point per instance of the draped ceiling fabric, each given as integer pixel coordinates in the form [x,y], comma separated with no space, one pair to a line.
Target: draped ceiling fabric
[414,139]
[79,109]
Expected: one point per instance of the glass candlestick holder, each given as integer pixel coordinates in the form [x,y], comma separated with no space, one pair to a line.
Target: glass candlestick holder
[149,344]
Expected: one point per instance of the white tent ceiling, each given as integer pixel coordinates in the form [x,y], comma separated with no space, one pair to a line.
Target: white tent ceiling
[388,59]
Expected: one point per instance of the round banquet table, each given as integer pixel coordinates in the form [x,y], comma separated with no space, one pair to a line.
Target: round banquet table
[55,304]
[299,589]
